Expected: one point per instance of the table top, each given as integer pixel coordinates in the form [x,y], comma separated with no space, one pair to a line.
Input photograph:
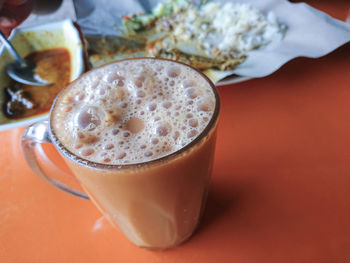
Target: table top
[279,190]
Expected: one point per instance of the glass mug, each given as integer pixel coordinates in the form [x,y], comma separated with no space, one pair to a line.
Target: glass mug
[158,203]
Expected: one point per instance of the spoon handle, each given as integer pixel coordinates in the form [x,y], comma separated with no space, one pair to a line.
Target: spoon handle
[11,49]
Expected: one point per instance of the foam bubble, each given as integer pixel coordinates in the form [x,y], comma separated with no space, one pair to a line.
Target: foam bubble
[193,122]
[176,135]
[79,97]
[167,104]
[67,100]
[116,78]
[123,104]
[148,153]
[138,83]
[87,152]
[68,108]
[102,91]
[78,146]
[192,93]
[126,134]
[141,94]
[135,125]
[173,71]
[205,105]
[88,118]
[152,107]
[163,129]
[192,133]
[108,146]
[155,141]
[188,83]
[121,155]
[115,131]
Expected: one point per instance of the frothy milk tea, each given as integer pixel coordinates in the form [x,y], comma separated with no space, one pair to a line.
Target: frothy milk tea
[140,132]
[133,112]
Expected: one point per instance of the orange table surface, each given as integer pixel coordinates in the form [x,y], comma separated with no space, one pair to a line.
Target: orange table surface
[280,188]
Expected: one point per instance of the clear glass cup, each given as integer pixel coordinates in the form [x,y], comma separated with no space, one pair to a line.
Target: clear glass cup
[156,204]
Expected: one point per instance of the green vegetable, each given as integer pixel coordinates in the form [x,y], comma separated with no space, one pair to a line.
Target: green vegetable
[138,23]
[162,9]
[132,26]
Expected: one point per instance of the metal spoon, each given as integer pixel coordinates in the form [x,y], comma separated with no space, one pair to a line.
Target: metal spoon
[22,71]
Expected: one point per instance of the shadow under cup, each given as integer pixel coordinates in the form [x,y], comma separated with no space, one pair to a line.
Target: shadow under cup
[156,204]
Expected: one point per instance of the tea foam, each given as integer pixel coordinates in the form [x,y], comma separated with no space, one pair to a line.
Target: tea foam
[133,111]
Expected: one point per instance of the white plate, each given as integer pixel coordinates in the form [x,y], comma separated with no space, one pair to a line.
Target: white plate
[232,79]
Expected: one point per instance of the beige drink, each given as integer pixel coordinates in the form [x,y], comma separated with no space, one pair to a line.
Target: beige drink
[140,136]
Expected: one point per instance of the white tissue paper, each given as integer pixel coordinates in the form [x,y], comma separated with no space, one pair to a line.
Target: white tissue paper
[310,32]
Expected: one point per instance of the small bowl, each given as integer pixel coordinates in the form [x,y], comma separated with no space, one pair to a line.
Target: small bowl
[62,34]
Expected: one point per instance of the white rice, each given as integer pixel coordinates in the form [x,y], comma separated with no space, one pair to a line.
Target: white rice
[229,30]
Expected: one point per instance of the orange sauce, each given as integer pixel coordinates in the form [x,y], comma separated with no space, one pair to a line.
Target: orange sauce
[54,66]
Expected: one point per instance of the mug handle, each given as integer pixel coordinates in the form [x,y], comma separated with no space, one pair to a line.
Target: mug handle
[31,141]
